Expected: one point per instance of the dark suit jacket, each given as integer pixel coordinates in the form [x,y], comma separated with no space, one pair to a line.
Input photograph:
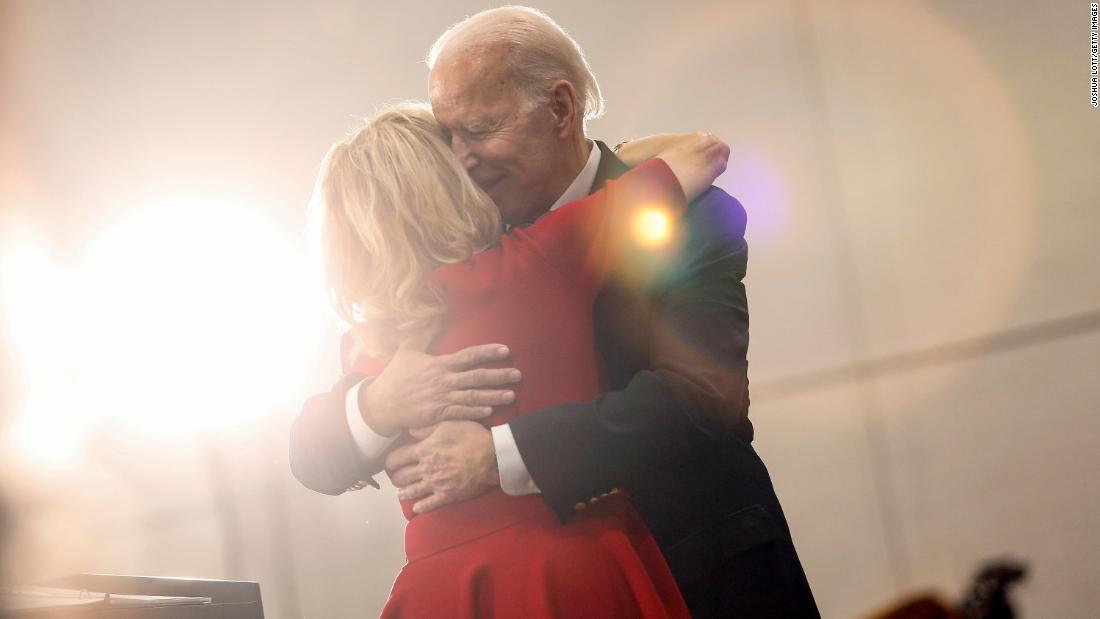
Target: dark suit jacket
[672,429]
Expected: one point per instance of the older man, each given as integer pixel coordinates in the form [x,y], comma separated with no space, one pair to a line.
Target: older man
[513,90]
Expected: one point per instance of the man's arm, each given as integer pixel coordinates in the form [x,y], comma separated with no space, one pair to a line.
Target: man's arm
[338,440]
[695,391]
[323,453]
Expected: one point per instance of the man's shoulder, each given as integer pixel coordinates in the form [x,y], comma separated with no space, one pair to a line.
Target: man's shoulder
[713,245]
[717,216]
[714,216]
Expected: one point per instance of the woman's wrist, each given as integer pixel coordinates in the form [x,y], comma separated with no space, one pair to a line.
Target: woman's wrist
[634,152]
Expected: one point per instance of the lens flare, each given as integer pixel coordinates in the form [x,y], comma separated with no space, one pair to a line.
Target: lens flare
[653,226]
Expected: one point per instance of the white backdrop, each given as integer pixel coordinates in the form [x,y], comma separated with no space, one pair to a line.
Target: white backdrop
[921,185]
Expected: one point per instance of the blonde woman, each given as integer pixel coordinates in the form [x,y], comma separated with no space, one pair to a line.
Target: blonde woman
[415,256]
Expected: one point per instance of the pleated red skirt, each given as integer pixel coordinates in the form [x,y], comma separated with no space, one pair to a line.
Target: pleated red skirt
[602,563]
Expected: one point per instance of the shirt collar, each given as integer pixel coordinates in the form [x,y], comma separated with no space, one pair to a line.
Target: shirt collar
[582,184]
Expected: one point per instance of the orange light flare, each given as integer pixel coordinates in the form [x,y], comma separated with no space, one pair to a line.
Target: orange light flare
[653,226]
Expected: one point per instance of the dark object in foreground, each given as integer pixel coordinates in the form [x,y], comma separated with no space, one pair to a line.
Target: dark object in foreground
[987,597]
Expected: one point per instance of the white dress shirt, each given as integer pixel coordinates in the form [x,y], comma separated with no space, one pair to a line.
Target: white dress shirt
[514,477]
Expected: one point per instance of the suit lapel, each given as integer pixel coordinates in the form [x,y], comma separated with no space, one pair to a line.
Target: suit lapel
[610,168]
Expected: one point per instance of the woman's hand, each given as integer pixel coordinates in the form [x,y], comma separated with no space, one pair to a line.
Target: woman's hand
[696,159]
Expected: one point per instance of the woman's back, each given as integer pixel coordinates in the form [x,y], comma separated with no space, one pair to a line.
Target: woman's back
[496,553]
[516,295]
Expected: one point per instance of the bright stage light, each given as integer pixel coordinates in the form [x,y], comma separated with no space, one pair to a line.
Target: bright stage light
[190,316]
[198,317]
[653,227]
[46,434]
[46,425]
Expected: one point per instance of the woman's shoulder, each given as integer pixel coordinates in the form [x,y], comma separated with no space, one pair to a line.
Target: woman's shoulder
[516,256]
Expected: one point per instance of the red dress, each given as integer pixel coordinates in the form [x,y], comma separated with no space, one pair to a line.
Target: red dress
[504,556]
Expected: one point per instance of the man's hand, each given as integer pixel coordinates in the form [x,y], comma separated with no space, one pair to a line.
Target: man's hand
[417,389]
[454,461]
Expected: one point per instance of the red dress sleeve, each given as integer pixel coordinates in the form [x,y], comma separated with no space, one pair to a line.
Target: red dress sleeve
[353,360]
[635,215]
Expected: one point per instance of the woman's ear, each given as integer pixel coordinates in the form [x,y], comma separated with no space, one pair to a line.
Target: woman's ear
[564,107]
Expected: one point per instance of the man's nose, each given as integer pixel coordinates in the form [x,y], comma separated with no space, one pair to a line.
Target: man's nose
[463,151]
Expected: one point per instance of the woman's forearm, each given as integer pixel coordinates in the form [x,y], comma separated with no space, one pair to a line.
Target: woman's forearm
[696,159]
[638,150]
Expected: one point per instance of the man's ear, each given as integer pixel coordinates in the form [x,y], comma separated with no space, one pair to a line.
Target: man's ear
[564,107]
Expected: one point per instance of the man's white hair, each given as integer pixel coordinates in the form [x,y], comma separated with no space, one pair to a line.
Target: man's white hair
[538,54]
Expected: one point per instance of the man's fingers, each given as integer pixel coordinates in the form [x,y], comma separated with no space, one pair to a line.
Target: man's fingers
[422,432]
[413,492]
[401,457]
[484,377]
[455,412]
[405,477]
[482,397]
[434,501]
[475,355]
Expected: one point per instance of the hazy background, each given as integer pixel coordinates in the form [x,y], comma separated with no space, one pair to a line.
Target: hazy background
[921,181]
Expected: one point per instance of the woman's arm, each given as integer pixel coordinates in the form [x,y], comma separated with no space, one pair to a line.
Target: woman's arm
[695,158]
[634,152]
[634,218]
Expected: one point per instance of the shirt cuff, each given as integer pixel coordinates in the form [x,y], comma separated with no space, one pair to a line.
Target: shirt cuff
[514,478]
[372,445]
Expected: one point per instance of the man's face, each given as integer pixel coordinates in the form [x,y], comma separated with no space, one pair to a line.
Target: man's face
[511,153]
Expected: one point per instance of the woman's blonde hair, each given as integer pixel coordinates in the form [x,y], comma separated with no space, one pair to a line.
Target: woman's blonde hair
[392,203]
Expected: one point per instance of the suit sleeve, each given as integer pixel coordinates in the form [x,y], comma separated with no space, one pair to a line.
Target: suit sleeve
[323,453]
[694,392]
